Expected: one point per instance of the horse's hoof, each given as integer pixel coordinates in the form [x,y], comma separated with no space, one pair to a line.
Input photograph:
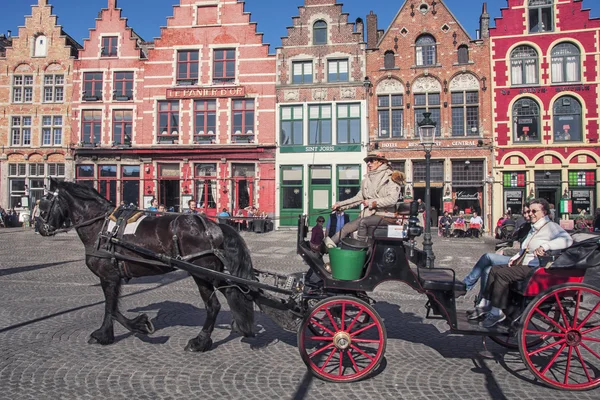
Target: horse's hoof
[195,345]
[100,339]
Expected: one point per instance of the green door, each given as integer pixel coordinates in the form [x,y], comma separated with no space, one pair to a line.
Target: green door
[291,194]
[319,191]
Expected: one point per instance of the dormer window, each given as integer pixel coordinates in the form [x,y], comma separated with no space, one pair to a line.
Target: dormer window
[425,50]
[389,61]
[541,16]
[109,46]
[320,33]
[40,47]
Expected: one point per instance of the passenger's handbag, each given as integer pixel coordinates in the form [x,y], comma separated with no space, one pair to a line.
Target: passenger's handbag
[519,260]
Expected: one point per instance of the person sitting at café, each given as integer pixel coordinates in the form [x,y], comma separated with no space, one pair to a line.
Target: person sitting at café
[223,216]
[446,224]
[544,235]
[458,227]
[191,207]
[241,223]
[475,224]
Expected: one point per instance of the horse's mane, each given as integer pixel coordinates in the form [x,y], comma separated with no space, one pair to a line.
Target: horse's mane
[82,192]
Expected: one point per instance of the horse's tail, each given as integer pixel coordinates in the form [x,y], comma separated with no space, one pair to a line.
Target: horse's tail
[239,263]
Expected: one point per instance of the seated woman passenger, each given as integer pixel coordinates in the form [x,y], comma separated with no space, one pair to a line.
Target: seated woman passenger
[544,235]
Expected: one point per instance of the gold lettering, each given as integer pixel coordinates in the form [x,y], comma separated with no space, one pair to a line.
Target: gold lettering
[213,92]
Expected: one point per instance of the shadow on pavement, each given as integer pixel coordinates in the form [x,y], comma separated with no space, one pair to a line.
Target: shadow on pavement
[29,268]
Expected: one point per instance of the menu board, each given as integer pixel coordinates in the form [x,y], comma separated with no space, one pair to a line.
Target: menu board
[581,199]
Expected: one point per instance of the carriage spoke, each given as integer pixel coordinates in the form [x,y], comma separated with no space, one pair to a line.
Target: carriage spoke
[590,350]
[562,311]
[587,373]
[362,353]
[568,365]
[590,339]
[332,320]
[354,320]
[589,316]
[356,368]
[555,334]
[366,340]
[343,315]
[321,338]
[363,329]
[315,322]
[543,372]
[322,349]
[577,303]
[550,319]
[546,347]
[341,371]
[328,359]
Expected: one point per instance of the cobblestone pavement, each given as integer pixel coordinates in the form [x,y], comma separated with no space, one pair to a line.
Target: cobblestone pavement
[50,303]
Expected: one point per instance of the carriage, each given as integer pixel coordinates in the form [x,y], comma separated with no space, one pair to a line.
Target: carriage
[553,320]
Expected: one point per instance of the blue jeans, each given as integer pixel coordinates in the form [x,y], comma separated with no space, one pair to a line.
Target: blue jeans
[482,269]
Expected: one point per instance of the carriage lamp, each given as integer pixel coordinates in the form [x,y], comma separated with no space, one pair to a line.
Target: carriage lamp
[427,131]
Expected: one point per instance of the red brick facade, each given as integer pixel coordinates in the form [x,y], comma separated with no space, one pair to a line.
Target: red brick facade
[35,93]
[426,61]
[190,115]
[545,74]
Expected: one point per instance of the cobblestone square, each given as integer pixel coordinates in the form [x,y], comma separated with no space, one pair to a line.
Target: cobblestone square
[50,303]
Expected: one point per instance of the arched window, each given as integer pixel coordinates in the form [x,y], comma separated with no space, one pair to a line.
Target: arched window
[565,63]
[567,119]
[541,16]
[526,120]
[389,61]
[320,32]
[463,54]
[426,50]
[524,66]
[40,47]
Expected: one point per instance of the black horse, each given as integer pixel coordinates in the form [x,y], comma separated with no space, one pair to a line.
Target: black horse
[182,234]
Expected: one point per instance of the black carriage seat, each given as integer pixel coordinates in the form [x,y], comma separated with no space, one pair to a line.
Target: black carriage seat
[439,279]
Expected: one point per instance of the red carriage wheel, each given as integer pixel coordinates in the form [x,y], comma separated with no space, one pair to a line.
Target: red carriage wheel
[569,357]
[338,344]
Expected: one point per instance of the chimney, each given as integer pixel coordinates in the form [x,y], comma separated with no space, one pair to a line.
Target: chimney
[42,3]
[360,27]
[484,23]
[8,33]
[372,30]
[112,4]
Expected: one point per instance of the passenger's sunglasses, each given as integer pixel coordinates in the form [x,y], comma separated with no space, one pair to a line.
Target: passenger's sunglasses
[532,211]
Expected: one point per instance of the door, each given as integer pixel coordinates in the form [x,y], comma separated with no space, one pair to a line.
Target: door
[319,192]
[550,194]
[169,187]
[291,194]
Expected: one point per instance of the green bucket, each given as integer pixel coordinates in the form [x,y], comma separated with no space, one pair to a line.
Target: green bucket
[347,265]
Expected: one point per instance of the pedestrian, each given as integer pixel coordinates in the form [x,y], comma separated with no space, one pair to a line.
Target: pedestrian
[153,205]
[317,235]
[35,214]
[336,222]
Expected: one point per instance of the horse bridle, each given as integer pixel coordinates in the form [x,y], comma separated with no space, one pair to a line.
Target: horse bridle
[51,230]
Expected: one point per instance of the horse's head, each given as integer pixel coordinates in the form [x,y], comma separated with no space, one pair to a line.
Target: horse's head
[53,210]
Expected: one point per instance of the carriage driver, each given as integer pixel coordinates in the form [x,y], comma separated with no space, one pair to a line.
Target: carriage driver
[378,193]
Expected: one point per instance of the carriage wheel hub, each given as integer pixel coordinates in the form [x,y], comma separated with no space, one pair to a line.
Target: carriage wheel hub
[573,338]
[342,340]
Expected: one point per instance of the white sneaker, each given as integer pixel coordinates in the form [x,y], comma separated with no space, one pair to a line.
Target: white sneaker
[329,243]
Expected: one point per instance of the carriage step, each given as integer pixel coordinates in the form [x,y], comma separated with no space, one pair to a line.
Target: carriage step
[467,326]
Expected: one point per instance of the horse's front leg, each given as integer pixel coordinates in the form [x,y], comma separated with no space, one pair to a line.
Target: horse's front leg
[105,334]
[203,342]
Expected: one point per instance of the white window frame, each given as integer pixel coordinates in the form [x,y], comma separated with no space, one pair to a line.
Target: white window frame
[52,130]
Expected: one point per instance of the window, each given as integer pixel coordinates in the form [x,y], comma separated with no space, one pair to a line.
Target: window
[242,185]
[52,130]
[526,120]
[541,16]
[21,131]
[292,125]
[348,123]
[465,113]
[130,175]
[30,179]
[524,66]
[187,67]
[110,45]
[107,182]
[92,127]
[85,175]
[123,86]
[567,120]
[565,63]
[40,47]
[54,90]
[426,50]
[224,66]
[122,127]
[582,188]
[348,181]
[338,71]
[420,171]
[206,185]
[168,122]
[23,89]
[292,192]
[243,121]
[389,61]
[390,112]
[17,183]
[320,33]
[302,72]
[429,102]
[467,175]
[319,124]
[463,54]
[205,121]
[92,86]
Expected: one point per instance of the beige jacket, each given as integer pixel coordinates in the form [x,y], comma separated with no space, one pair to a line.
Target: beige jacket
[381,191]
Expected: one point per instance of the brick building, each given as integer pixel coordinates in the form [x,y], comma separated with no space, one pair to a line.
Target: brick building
[545,84]
[321,111]
[35,90]
[191,115]
[426,62]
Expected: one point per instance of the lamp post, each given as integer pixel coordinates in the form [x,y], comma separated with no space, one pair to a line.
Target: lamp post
[427,138]
[367,85]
